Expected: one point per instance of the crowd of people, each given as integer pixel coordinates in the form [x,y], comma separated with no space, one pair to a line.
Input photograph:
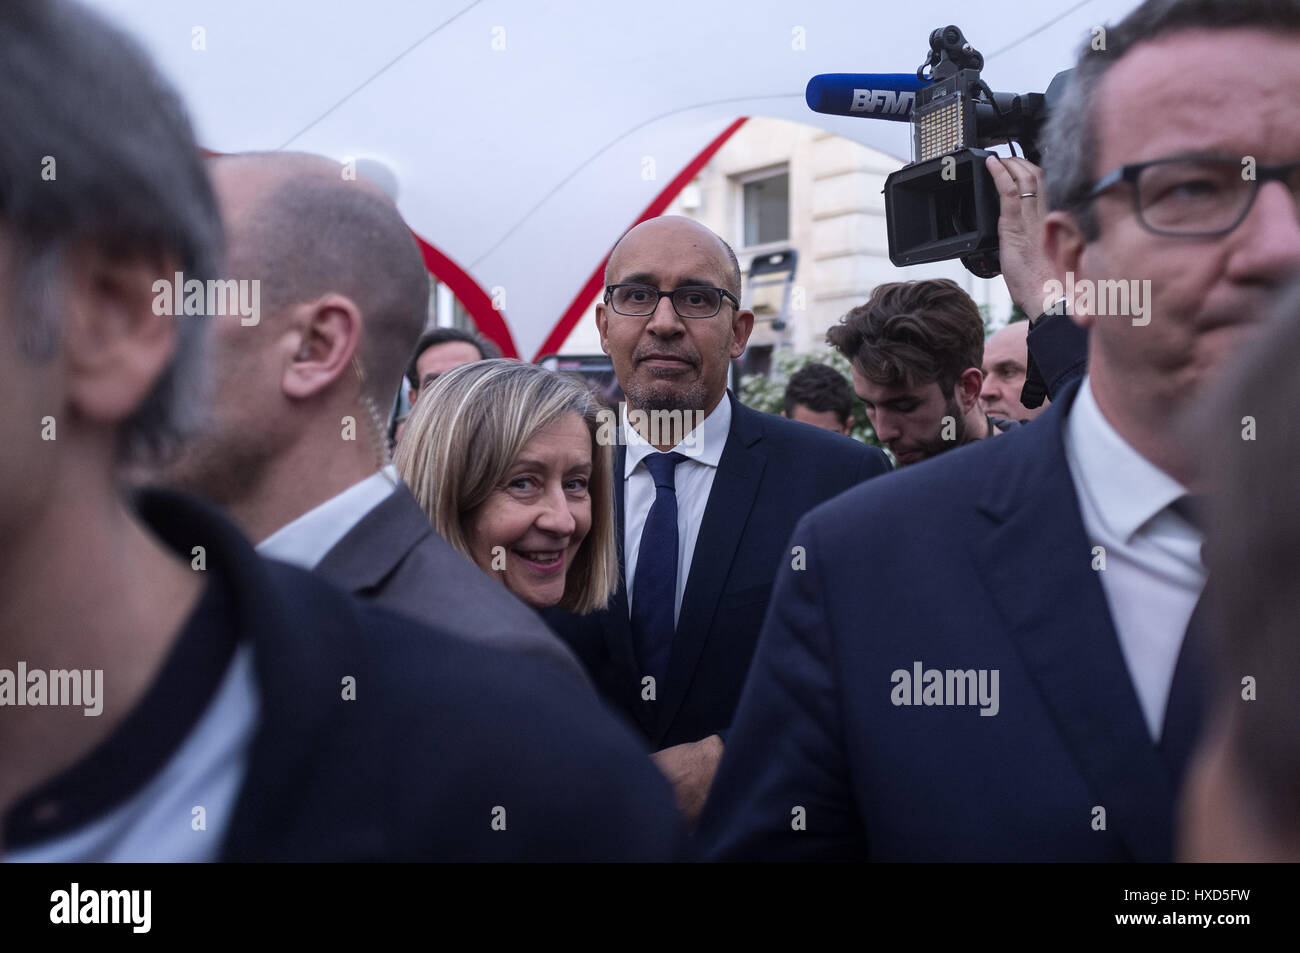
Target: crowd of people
[517,624]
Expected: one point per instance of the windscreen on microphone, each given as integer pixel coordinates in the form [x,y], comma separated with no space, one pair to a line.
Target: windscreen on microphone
[871,95]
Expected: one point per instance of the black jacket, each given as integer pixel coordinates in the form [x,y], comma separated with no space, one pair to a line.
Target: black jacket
[441,735]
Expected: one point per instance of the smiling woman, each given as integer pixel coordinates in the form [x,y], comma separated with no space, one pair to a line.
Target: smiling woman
[504,459]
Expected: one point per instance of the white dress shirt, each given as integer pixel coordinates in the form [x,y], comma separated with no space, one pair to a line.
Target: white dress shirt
[1153,575]
[694,481]
[208,769]
[306,540]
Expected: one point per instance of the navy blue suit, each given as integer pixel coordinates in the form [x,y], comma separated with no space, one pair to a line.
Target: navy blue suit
[771,472]
[977,559]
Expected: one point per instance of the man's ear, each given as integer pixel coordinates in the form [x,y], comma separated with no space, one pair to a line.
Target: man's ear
[328,335]
[115,347]
[742,325]
[848,425]
[602,325]
[1064,244]
[969,385]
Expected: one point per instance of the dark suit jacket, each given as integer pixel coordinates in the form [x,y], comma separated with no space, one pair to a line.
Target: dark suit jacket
[394,559]
[441,732]
[977,559]
[1058,354]
[771,472]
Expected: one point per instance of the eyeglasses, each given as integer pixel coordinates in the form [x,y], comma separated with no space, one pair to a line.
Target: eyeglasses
[691,301]
[1194,197]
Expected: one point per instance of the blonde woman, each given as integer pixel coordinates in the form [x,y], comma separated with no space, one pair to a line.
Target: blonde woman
[504,459]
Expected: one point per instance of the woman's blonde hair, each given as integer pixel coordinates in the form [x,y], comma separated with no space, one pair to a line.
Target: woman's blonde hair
[466,432]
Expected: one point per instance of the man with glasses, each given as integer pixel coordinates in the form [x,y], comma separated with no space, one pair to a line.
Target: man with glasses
[708,492]
[1026,683]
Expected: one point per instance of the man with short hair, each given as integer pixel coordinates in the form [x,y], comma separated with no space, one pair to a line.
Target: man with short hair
[914,349]
[818,394]
[439,350]
[707,492]
[1006,358]
[243,709]
[1026,684]
[293,447]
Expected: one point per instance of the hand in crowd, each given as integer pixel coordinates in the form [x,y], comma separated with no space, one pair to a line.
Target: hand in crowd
[690,769]
[1024,205]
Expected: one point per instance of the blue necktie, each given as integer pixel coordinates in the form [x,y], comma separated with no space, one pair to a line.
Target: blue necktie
[654,590]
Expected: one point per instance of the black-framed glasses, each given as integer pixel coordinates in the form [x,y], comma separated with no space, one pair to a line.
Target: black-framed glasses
[689,301]
[1196,197]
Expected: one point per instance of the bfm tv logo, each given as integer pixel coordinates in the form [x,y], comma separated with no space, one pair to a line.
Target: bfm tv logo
[882,101]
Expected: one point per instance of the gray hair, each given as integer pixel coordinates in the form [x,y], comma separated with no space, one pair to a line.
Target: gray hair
[1070,145]
[97,152]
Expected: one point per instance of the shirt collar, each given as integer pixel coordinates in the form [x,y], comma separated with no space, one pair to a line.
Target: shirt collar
[306,540]
[703,444]
[1126,489]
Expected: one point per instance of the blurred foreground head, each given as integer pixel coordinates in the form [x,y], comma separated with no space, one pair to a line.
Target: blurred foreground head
[1243,799]
[102,195]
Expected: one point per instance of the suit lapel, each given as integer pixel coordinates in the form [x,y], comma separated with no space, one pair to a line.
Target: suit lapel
[731,497]
[1038,565]
[376,545]
[618,628]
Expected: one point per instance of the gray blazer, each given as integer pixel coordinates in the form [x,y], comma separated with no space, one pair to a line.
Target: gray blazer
[394,559]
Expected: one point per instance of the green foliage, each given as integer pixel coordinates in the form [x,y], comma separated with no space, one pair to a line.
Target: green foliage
[767,392]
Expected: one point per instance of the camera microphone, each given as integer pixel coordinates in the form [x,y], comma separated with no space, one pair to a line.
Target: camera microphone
[944,203]
[876,95]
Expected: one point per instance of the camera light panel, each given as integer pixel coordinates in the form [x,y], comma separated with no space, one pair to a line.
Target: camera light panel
[940,128]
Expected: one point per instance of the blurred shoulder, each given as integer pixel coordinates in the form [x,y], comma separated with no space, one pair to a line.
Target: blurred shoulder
[439,728]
